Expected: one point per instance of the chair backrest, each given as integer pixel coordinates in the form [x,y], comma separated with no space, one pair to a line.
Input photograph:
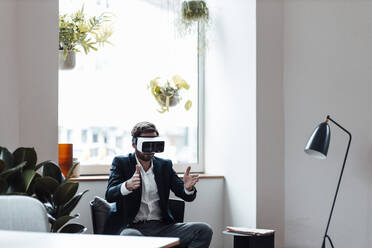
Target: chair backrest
[177,208]
[23,213]
[100,210]
[92,213]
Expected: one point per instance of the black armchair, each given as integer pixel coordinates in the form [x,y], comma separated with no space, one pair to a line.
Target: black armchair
[100,209]
[177,208]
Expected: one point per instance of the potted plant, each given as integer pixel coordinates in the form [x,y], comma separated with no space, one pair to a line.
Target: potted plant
[59,198]
[77,31]
[192,13]
[168,95]
[19,175]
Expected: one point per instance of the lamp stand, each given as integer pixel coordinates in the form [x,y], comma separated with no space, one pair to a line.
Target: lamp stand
[326,236]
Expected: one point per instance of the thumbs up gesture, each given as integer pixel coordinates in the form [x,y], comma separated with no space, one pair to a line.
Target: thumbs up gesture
[135,181]
[190,180]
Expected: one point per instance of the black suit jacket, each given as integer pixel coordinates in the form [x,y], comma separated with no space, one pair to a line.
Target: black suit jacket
[126,209]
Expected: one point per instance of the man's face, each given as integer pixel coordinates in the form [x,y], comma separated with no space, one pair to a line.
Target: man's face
[141,155]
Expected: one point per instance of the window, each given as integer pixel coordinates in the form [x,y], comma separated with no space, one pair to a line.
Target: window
[84,136]
[106,94]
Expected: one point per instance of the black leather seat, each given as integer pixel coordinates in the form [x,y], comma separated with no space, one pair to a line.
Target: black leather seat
[100,210]
[177,208]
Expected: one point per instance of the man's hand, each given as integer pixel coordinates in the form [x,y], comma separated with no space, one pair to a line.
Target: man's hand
[190,180]
[135,181]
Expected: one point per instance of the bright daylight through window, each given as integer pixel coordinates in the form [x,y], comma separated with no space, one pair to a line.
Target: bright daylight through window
[108,91]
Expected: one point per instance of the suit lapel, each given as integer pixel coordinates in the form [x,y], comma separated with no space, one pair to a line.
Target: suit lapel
[157,175]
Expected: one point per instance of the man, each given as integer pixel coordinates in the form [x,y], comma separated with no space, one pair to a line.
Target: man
[140,184]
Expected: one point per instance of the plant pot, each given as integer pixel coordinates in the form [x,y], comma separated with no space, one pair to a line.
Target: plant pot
[76,172]
[67,63]
[195,10]
[173,100]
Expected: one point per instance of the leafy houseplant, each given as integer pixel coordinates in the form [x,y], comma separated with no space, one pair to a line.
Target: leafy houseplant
[19,175]
[59,198]
[168,95]
[18,171]
[76,30]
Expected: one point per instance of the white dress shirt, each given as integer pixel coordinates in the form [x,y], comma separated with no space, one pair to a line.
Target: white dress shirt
[149,208]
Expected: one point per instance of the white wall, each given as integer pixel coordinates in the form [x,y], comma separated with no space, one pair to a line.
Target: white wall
[327,70]
[9,113]
[37,70]
[207,207]
[230,107]
[28,69]
[270,118]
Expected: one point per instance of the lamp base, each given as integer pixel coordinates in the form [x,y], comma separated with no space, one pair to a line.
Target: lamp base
[324,241]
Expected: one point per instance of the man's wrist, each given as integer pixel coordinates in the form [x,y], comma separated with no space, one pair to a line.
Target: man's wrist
[126,186]
[124,189]
[190,191]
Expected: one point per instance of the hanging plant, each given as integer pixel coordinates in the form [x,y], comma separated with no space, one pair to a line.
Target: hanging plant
[77,31]
[168,95]
[192,13]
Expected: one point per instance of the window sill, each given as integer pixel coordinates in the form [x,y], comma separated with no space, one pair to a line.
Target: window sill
[105,177]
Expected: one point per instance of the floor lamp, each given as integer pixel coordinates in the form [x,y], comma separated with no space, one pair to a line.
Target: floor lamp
[317,146]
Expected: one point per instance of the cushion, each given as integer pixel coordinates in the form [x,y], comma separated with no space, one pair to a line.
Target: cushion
[100,211]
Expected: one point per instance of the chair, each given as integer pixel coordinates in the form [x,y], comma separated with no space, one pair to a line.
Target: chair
[23,213]
[177,208]
[100,210]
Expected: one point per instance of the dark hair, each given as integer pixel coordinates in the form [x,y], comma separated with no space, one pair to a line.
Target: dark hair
[143,127]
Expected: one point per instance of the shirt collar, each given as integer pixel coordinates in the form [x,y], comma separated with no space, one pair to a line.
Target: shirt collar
[151,169]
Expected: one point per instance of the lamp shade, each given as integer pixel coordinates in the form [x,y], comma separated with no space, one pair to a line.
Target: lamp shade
[318,144]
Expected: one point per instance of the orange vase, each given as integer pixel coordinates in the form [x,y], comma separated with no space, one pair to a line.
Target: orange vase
[65,157]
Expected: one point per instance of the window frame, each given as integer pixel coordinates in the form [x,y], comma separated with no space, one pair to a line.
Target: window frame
[179,168]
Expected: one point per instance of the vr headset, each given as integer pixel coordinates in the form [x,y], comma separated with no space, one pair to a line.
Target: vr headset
[150,144]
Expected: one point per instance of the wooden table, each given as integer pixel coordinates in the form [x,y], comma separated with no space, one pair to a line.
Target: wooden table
[17,239]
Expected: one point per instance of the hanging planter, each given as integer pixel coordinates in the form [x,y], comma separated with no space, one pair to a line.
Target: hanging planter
[192,13]
[168,95]
[77,31]
[195,10]
[68,62]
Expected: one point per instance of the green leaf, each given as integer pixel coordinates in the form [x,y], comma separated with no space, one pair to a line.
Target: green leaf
[52,170]
[16,182]
[11,171]
[188,105]
[31,189]
[25,154]
[51,219]
[41,164]
[3,185]
[28,175]
[65,192]
[44,188]
[2,165]
[69,206]
[42,196]
[73,228]
[7,157]
[71,170]
[50,209]
[46,184]
[61,221]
